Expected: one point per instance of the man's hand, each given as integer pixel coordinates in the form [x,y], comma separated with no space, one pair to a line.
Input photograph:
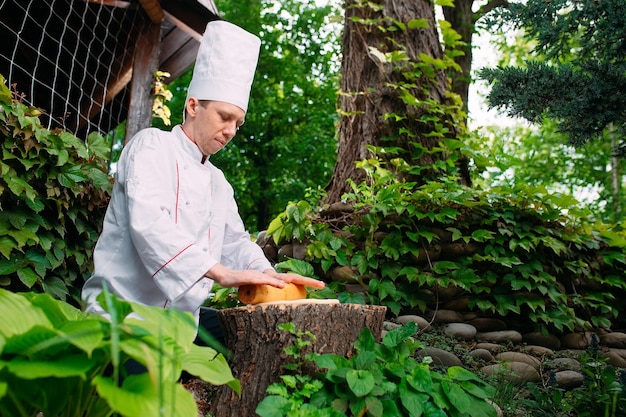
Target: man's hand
[231,278]
[295,279]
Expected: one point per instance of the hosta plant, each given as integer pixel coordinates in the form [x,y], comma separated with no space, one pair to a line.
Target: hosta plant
[62,362]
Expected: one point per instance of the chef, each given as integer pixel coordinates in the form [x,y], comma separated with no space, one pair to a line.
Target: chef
[172,227]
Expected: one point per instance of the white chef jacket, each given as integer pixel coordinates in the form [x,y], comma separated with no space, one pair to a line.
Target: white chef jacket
[171,218]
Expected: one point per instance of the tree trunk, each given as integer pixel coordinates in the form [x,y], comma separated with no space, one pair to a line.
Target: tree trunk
[462,21]
[258,347]
[367,93]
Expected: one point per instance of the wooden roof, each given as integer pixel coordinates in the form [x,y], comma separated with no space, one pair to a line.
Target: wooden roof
[58,53]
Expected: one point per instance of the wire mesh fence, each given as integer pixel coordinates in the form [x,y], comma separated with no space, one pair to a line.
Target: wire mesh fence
[71,58]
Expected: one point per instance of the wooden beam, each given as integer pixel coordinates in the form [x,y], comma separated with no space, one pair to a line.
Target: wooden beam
[153,9]
[113,3]
[146,61]
[191,17]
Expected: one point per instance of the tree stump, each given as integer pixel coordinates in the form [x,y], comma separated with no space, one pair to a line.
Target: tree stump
[257,346]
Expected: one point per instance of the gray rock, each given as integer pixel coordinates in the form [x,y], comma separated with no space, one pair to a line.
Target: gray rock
[421,322]
[538,350]
[481,354]
[614,359]
[518,357]
[500,336]
[513,371]
[460,331]
[285,251]
[389,326]
[576,340]
[446,316]
[565,364]
[440,356]
[540,339]
[491,347]
[569,379]
[614,340]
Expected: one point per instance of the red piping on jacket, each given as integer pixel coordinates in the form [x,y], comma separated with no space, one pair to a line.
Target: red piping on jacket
[168,262]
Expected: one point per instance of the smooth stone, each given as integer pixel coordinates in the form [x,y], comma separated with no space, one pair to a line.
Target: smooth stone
[538,350]
[299,250]
[460,331]
[614,340]
[446,316]
[540,339]
[481,354]
[576,340]
[614,359]
[389,326]
[621,352]
[421,322]
[500,336]
[569,379]
[486,324]
[566,364]
[285,251]
[518,357]
[513,371]
[491,347]
[440,357]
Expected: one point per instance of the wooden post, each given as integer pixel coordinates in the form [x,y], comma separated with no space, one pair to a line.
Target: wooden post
[257,346]
[146,62]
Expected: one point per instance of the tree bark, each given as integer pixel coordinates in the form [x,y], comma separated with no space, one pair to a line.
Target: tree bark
[258,347]
[367,95]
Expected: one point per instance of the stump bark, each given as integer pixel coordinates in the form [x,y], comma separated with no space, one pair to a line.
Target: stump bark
[257,346]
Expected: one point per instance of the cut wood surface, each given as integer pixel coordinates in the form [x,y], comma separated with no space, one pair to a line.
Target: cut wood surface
[257,346]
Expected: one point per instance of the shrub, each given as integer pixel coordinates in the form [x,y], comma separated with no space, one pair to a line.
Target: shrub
[53,194]
[513,252]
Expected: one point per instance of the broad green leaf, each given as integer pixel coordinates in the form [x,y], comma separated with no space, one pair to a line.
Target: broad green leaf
[297,266]
[19,315]
[273,406]
[138,397]
[420,379]
[397,336]
[457,396]
[65,366]
[28,277]
[411,400]
[365,342]
[210,366]
[87,335]
[360,382]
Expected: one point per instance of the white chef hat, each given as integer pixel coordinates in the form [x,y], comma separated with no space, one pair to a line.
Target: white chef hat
[225,65]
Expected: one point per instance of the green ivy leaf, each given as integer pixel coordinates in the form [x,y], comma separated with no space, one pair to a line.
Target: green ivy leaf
[28,277]
[361,382]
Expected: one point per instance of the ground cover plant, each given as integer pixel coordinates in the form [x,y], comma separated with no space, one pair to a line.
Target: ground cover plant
[380,379]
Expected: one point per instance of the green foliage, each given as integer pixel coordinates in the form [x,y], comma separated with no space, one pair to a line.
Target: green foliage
[380,379]
[578,75]
[53,193]
[59,361]
[513,251]
[541,157]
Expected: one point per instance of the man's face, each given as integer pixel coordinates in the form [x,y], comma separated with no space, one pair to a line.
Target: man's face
[212,124]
